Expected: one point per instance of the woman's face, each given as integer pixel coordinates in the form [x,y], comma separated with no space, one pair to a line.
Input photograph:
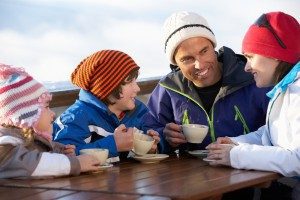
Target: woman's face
[262,68]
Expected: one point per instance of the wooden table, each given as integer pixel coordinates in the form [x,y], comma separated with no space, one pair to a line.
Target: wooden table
[183,177]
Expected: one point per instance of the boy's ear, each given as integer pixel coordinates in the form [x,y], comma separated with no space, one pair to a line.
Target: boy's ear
[112,99]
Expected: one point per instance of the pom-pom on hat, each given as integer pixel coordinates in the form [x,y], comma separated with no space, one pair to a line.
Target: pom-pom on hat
[103,71]
[184,25]
[274,35]
[22,98]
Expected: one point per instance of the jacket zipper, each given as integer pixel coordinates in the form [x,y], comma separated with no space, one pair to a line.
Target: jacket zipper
[239,116]
[210,122]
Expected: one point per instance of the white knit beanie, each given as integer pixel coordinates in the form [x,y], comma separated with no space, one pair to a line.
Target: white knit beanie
[184,25]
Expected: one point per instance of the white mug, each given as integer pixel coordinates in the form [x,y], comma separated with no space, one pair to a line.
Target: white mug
[194,133]
[100,154]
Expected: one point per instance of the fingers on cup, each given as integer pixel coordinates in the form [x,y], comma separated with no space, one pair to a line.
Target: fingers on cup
[100,155]
[142,143]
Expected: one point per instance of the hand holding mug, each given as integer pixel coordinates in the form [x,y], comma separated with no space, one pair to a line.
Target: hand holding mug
[173,134]
[155,136]
[123,138]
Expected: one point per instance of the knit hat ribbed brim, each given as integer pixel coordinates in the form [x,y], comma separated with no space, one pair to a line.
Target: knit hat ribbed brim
[260,40]
[184,25]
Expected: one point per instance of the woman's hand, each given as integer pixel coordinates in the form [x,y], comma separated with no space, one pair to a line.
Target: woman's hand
[219,153]
[225,140]
[155,136]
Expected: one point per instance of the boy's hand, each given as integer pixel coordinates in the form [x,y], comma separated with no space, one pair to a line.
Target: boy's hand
[155,136]
[123,138]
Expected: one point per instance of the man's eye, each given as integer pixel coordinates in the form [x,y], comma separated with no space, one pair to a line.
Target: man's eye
[187,60]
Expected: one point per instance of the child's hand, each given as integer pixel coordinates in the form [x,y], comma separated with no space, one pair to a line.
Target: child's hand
[123,138]
[155,136]
[69,150]
[88,163]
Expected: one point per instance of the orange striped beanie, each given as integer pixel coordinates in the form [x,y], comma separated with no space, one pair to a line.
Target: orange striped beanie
[102,72]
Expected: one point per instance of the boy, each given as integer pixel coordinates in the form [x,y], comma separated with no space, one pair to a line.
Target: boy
[106,111]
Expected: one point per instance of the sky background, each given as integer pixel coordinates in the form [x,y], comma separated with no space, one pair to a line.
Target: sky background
[50,37]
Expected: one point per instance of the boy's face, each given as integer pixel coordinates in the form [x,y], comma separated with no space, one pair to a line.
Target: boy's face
[46,119]
[127,100]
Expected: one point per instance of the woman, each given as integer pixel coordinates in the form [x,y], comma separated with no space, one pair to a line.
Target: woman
[272,48]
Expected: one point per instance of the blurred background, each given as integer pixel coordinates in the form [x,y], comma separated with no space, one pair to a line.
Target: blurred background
[50,37]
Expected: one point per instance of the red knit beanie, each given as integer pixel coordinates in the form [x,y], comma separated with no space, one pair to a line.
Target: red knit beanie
[103,71]
[260,40]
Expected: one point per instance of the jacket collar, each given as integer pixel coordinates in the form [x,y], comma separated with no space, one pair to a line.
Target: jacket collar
[291,77]
[89,98]
[233,74]
[92,100]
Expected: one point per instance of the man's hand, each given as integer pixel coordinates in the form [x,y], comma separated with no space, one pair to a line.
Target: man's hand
[173,134]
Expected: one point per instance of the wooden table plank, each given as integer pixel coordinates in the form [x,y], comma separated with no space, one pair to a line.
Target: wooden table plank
[189,188]
[10,193]
[108,196]
[185,177]
[49,195]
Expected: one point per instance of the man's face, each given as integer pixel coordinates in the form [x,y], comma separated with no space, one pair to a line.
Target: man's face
[198,61]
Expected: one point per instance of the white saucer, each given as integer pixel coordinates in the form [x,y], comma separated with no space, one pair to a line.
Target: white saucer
[101,168]
[199,153]
[151,158]
[208,160]
[105,166]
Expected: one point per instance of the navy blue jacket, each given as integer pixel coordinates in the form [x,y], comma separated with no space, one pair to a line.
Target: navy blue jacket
[239,107]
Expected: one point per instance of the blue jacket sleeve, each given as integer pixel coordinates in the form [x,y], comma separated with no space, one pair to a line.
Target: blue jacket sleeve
[72,128]
[160,113]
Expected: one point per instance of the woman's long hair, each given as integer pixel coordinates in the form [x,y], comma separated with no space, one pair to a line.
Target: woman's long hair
[282,70]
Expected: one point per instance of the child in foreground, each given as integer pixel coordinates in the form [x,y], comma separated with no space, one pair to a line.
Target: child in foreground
[26,149]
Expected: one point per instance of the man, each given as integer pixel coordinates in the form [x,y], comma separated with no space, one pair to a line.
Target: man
[205,87]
